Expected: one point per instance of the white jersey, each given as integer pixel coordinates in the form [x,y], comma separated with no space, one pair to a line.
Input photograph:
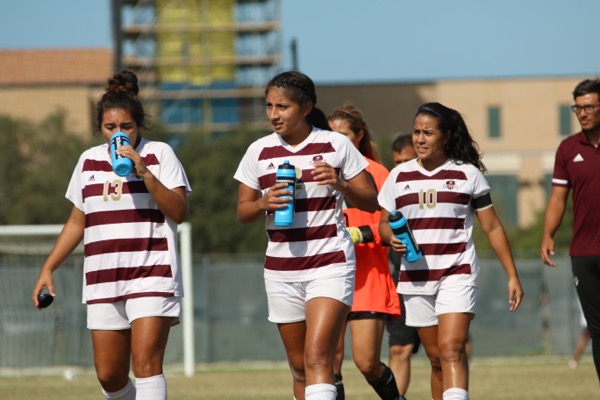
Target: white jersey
[438,207]
[130,247]
[318,244]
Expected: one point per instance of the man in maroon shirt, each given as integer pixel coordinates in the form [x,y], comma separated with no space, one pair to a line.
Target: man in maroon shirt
[577,169]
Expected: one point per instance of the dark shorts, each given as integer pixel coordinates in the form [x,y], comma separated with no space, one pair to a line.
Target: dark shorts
[353,316]
[399,334]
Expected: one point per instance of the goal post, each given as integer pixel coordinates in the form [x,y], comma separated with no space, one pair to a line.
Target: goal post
[187,303]
[185,252]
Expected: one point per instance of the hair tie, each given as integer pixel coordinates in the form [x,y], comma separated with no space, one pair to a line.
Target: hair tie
[431,111]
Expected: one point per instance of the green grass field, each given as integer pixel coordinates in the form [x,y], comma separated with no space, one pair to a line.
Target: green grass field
[534,378]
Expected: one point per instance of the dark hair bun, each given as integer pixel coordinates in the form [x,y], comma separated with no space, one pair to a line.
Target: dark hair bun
[124,81]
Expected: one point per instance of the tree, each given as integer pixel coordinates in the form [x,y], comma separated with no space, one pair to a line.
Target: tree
[210,166]
[37,161]
[527,241]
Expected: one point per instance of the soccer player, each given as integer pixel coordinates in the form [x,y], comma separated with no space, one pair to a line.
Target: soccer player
[375,297]
[132,280]
[309,266]
[440,193]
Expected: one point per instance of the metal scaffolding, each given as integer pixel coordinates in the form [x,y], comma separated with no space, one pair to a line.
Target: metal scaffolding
[203,63]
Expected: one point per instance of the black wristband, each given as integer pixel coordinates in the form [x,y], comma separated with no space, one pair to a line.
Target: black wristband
[367,234]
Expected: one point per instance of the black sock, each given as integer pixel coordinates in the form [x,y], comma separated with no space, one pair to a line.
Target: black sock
[385,386]
[339,386]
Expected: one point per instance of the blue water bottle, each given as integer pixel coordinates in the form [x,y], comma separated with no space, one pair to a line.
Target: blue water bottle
[286,172]
[121,165]
[402,231]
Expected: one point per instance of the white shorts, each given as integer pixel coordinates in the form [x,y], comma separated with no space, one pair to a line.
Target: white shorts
[423,310]
[118,316]
[286,300]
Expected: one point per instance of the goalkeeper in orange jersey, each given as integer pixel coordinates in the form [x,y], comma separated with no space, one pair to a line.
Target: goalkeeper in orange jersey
[375,297]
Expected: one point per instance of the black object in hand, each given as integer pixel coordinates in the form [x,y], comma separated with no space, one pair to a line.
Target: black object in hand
[44,300]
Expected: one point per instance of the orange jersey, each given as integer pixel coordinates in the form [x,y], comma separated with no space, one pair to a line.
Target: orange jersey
[374,289]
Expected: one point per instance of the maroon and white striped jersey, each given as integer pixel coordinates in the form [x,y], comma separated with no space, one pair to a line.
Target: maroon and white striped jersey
[130,247]
[439,207]
[318,244]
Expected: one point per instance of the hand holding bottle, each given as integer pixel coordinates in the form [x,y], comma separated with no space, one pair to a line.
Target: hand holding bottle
[402,232]
[286,174]
[122,166]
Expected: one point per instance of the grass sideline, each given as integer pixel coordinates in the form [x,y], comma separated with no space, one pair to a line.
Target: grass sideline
[494,378]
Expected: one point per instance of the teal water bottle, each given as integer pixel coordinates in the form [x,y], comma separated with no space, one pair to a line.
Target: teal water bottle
[121,165]
[286,172]
[402,231]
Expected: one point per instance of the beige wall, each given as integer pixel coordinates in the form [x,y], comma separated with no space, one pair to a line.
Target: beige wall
[530,128]
[37,102]
[529,110]
[387,108]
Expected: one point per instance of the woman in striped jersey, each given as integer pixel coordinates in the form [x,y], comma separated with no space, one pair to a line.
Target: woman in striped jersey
[309,266]
[128,224]
[439,193]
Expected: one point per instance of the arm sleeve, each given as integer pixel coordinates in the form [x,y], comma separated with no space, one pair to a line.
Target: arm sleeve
[354,163]
[387,197]
[75,189]
[560,176]
[247,171]
[172,174]
[481,198]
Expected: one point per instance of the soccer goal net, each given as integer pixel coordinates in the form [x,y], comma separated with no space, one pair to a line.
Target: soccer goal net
[57,336]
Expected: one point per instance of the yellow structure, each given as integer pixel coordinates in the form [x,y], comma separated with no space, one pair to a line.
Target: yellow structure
[202,52]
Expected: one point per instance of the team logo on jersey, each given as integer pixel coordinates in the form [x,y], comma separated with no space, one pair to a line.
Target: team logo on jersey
[316,159]
[450,185]
[578,158]
[271,166]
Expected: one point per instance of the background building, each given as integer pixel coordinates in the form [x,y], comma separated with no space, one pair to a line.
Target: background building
[36,83]
[517,123]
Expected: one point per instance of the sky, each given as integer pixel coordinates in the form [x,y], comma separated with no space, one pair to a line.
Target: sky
[369,41]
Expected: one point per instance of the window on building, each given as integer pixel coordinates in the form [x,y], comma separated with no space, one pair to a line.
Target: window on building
[565,116]
[494,128]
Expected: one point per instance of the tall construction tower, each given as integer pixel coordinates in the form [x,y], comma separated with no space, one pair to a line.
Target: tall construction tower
[204,64]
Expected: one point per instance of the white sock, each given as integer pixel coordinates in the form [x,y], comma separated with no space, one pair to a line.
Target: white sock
[455,394]
[320,391]
[152,388]
[127,393]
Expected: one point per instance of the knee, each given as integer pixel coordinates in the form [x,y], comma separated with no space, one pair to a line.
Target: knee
[110,379]
[368,364]
[434,358]
[452,351]
[144,366]
[316,361]
[298,373]
[401,353]
[371,369]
